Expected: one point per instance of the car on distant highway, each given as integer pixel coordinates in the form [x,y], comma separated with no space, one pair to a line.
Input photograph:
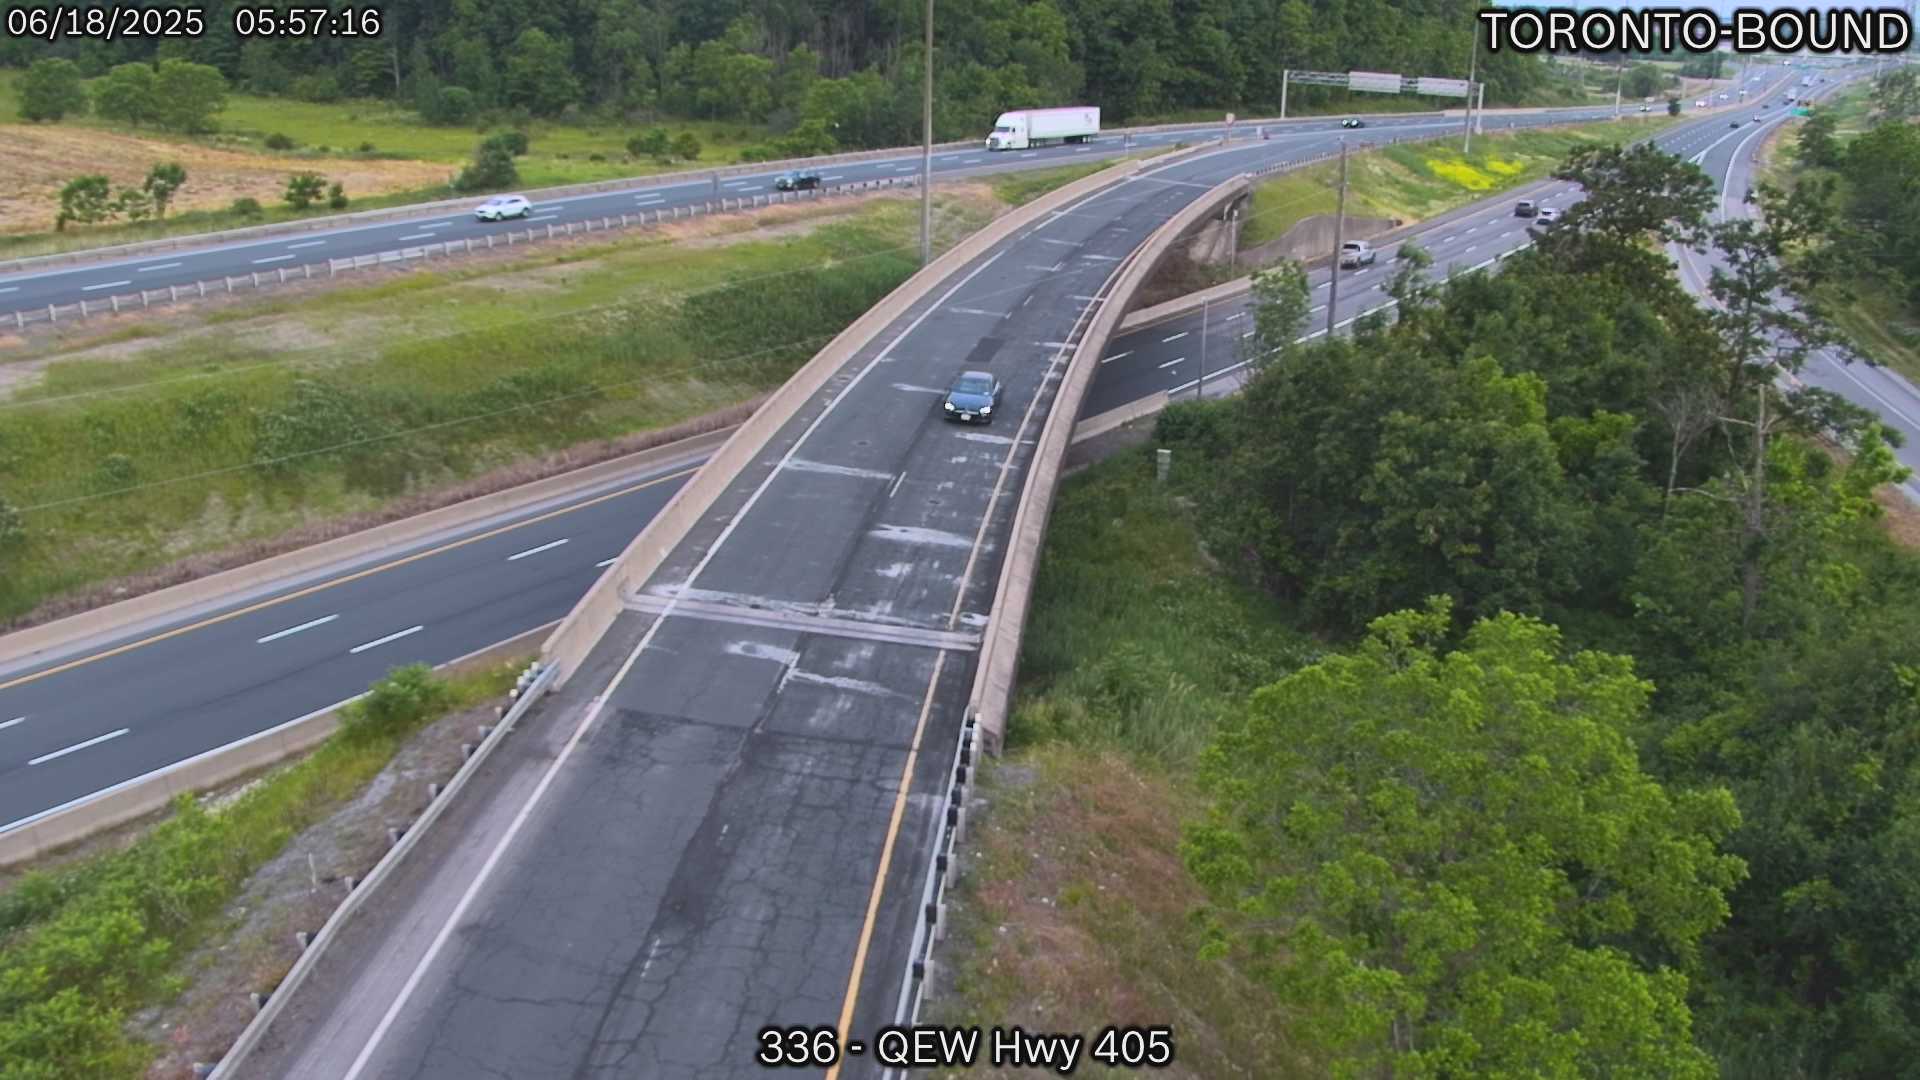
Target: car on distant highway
[1549,215]
[796,181]
[1525,208]
[972,397]
[1357,253]
[1353,122]
[1734,123]
[1701,104]
[1646,108]
[501,207]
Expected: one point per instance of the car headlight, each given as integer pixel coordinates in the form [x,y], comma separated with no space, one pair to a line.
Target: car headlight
[949,406]
[985,410]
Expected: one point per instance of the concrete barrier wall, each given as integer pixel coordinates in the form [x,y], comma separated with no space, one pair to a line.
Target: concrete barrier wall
[992,695]
[179,599]
[583,626]
[143,795]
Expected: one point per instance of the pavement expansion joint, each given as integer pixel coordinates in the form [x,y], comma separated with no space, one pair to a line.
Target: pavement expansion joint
[802,618]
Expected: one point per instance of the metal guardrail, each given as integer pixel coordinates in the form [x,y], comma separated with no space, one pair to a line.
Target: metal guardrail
[142,299]
[532,684]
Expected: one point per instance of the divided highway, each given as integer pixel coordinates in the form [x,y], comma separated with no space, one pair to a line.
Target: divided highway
[725,822]
[29,290]
[79,723]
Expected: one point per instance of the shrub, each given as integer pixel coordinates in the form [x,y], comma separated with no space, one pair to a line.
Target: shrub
[245,206]
[686,146]
[514,141]
[596,157]
[337,197]
[652,143]
[85,200]
[449,106]
[396,703]
[492,167]
[366,148]
[304,189]
[277,141]
[321,86]
[116,471]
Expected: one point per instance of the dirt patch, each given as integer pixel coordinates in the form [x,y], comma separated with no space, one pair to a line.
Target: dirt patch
[42,158]
[1902,518]
[293,893]
[1075,914]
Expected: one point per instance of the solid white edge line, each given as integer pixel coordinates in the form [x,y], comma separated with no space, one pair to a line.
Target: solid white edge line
[292,630]
[377,642]
[604,563]
[95,741]
[4,724]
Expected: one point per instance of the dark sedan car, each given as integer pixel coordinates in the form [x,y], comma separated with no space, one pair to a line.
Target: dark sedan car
[972,397]
[797,181]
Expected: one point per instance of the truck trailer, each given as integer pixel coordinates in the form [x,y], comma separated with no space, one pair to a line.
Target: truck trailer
[1039,127]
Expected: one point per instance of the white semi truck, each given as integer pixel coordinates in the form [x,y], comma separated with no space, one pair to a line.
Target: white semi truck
[1038,127]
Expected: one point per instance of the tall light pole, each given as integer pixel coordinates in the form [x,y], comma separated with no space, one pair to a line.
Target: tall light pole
[1619,81]
[926,148]
[1339,229]
[1473,65]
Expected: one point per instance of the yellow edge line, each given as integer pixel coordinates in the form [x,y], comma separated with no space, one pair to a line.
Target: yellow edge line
[886,860]
[357,575]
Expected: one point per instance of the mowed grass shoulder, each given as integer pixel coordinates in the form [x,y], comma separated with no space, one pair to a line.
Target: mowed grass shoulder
[1418,180]
[135,453]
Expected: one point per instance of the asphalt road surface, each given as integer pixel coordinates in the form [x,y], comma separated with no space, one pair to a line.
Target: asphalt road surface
[727,826]
[81,722]
[29,290]
[1729,160]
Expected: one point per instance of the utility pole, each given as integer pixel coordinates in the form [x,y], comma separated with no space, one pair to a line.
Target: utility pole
[1339,230]
[926,149]
[1473,67]
[1200,388]
[1620,80]
[1285,74]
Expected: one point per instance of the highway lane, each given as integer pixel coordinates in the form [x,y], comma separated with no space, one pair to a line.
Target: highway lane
[734,831]
[1168,356]
[30,290]
[1729,161]
[205,683]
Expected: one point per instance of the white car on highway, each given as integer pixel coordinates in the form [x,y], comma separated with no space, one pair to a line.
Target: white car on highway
[501,207]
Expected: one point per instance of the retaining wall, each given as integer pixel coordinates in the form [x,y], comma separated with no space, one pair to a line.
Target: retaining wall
[992,694]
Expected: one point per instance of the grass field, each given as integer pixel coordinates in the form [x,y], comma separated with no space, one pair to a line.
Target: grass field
[1416,181]
[1075,909]
[143,448]
[384,154]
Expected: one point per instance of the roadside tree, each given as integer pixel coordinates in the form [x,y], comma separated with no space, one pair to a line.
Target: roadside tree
[1449,863]
[51,89]
[162,183]
[304,189]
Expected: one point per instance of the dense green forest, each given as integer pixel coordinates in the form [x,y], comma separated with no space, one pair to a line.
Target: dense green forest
[832,73]
[1680,834]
